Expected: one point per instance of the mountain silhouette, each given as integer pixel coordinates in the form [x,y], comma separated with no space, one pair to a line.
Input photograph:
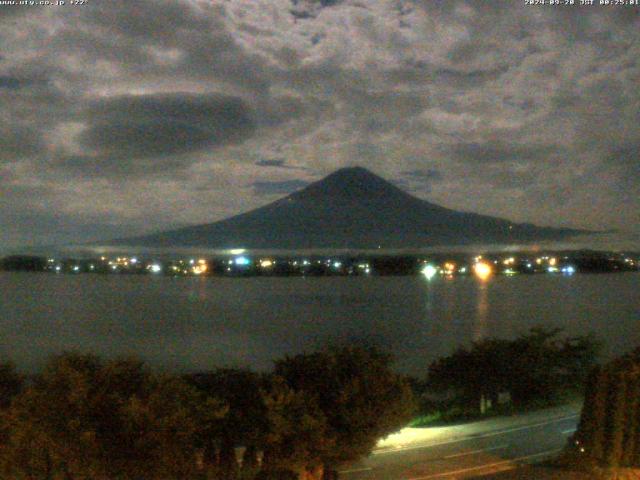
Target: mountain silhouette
[351,208]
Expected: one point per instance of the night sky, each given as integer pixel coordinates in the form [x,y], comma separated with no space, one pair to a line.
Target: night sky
[126,117]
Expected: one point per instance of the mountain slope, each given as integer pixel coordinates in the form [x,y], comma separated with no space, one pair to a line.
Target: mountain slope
[351,208]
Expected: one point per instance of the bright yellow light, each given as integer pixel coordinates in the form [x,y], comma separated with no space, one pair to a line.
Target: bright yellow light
[482,270]
[553,262]
[509,261]
[449,268]
[202,261]
[266,263]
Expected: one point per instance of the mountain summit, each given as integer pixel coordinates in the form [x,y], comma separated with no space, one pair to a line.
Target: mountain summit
[350,183]
[350,208]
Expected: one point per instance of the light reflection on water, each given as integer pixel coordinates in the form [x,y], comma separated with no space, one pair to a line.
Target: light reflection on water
[482,310]
[196,323]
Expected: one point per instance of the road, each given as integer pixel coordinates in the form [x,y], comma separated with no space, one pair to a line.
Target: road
[468,450]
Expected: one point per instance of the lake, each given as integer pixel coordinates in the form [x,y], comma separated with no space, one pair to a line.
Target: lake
[193,323]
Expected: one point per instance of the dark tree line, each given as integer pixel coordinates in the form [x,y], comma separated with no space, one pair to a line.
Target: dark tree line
[82,417]
[537,367]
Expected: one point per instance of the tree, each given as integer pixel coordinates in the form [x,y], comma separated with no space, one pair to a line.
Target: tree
[535,366]
[245,422]
[296,438]
[83,418]
[11,383]
[360,397]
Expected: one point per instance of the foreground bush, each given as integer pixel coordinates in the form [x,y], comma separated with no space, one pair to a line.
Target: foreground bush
[358,397]
[85,418]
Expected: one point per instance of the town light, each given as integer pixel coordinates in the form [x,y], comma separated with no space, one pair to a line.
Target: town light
[482,270]
[200,268]
[242,261]
[429,271]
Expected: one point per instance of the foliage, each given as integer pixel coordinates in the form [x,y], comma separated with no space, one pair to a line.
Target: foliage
[86,418]
[83,418]
[537,365]
[245,421]
[360,397]
[297,436]
[11,383]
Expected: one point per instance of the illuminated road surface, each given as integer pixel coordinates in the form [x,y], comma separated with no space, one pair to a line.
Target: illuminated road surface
[487,447]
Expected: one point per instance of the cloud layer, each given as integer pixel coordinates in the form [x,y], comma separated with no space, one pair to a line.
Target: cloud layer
[133,117]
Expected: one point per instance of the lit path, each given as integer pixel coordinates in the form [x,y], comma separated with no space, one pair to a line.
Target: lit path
[466,451]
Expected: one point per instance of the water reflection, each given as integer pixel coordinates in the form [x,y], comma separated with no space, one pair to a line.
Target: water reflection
[482,310]
[197,323]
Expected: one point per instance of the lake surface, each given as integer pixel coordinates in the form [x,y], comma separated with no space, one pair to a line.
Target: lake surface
[191,323]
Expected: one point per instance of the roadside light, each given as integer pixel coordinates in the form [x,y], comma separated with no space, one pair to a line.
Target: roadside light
[155,268]
[266,263]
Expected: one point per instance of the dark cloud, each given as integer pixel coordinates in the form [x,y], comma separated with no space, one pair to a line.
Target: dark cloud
[154,133]
[11,82]
[280,163]
[498,152]
[263,187]
[271,162]
[303,9]
[161,124]
[466,78]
